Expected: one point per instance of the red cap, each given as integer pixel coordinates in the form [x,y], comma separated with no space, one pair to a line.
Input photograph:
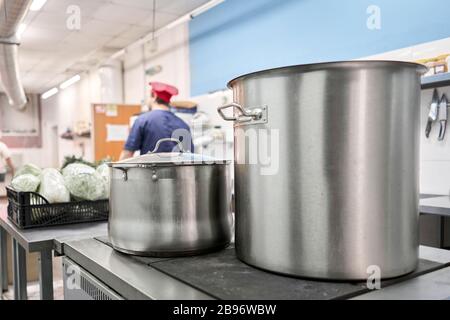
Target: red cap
[163,91]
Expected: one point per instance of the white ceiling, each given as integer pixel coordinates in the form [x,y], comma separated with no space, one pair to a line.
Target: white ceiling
[51,53]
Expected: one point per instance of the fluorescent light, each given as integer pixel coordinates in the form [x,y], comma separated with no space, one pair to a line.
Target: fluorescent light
[37,5]
[49,93]
[206,7]
[21,29]
[118,54]
[179,21]
[70,82]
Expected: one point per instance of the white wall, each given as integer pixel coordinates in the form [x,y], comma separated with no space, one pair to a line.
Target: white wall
[64,110]
[172,54]
[434,155]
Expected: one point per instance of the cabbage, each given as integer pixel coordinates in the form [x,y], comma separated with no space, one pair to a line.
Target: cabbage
[52,186]
[84,182]
[77,168]
[103,171]
[29,169]
[25,183]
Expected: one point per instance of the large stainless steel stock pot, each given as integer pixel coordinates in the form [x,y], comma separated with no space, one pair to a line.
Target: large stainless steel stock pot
[326,168]
[170,204]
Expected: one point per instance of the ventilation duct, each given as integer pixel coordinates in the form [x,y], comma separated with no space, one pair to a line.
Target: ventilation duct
[12,13]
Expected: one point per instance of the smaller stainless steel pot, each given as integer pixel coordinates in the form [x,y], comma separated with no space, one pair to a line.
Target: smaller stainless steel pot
[170,204]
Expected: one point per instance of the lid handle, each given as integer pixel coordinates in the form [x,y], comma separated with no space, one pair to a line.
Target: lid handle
[178,142]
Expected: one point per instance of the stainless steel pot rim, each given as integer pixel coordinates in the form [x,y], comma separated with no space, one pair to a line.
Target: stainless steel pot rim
[168,159]
[148,165]
[354,64]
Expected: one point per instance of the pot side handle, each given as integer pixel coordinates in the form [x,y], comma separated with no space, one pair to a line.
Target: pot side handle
[124,172]
[244,115]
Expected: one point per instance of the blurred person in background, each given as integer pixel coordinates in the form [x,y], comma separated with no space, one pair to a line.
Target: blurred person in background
[157,124]
[5,160]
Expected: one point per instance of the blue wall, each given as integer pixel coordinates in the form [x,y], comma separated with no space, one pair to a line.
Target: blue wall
[241,36]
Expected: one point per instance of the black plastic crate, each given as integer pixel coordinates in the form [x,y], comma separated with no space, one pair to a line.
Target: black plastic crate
[31,210]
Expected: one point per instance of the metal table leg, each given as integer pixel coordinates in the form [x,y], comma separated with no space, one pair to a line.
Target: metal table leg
[3,262]
[46,275]
[19,271]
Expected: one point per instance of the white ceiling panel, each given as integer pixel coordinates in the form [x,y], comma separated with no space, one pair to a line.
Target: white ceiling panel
[121,14]
[50,52]
[135,32]
[144,4]
[50,20]
[54,66]
[119,42]
[82,40]
[41,39]
[162,19]
[178,7]
[87,7]
[106,28]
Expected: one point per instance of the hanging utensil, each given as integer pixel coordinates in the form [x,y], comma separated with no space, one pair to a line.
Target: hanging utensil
[432,116]
[443,116]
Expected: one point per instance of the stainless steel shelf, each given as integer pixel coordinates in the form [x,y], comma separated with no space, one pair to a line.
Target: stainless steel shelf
[435,81]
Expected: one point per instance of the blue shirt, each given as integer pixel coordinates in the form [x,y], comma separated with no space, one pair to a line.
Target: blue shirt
[155,125]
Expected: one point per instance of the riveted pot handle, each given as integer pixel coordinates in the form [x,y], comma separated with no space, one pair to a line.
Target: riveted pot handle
[245,115]
[124,172]
[178,142]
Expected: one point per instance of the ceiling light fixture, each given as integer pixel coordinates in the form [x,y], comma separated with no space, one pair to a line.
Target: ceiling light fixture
[37,5]
[70,82]
[179,21]
[118,54]
[49,93]
[205,7]
[21,29]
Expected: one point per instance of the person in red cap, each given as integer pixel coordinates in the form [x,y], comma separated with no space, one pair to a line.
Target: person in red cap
[157,124]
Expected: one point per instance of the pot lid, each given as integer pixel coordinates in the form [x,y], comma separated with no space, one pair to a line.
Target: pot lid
[169,158]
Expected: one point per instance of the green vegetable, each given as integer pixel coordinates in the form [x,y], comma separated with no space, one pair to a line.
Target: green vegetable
[29,169]
[25,183]
[103,171]
[72,159]
[103,161]
[52,186]
[84,182]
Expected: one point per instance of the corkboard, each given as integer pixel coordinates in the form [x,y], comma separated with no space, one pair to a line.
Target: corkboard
[110,114]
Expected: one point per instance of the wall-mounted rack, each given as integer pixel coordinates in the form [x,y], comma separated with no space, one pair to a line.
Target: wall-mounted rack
[436,81]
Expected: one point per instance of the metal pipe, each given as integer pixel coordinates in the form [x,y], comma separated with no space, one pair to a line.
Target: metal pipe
[12,13]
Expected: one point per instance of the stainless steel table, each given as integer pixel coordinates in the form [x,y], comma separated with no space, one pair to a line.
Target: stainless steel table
[131,278]
[43,241]
[438,205]
[430,286]
[435,221]
[219,275]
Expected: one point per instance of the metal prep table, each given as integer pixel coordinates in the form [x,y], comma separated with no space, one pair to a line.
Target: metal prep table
[221,275]
[435,205]
[40,240]
[435,221]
